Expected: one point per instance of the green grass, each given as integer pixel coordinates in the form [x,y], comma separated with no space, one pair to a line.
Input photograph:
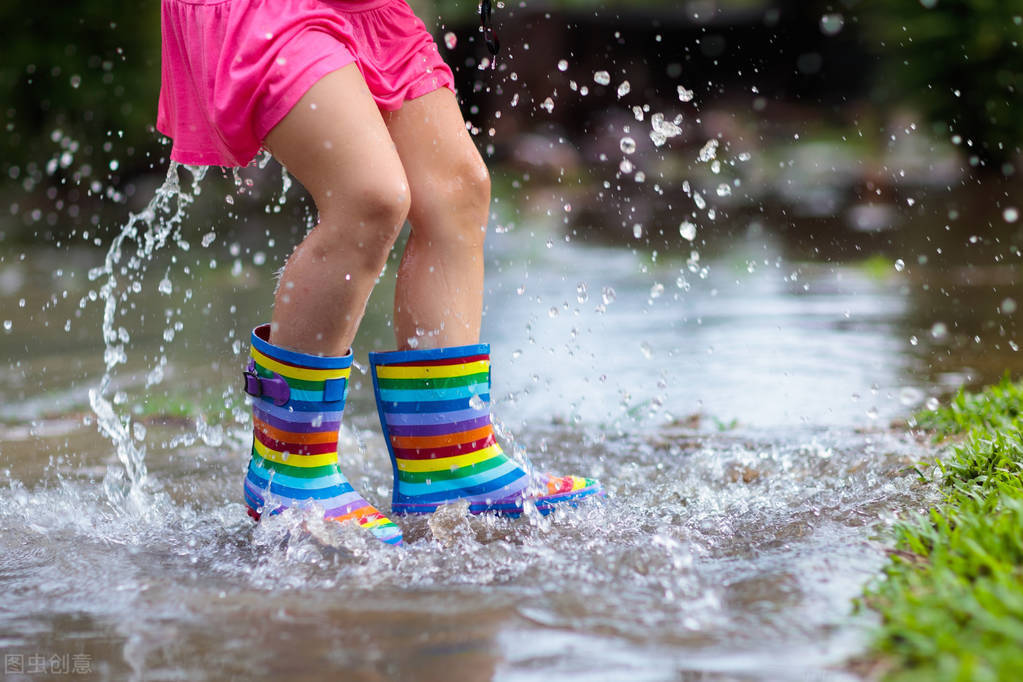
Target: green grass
[996,408]
[952,596]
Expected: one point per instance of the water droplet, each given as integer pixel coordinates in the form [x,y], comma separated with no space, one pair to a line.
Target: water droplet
[450,40]
[929,4]
[627,145]
[687,230]
[910,396]
[76,81]
[900,265]
[1010,215]
[601,77]
[665,128]
[832,23]
[476,403]
[645,349]
[207,239]
[581,292]
[562,65]
[1008,306]
[913,341]
[656,290]
[684,95]
[8,325]
[548,105]
[553,312]
[932,403]
[724,189]
[165,286]
[709,151]
[939,330]
[637,230]
[624,89]
[626,166]
[608,295]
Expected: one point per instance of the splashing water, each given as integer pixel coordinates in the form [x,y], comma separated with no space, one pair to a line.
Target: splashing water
[123,269]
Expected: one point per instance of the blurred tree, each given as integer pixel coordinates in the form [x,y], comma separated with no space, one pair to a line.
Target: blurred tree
[960,62]
[81,82]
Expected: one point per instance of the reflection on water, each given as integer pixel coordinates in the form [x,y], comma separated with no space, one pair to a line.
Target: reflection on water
[739,421]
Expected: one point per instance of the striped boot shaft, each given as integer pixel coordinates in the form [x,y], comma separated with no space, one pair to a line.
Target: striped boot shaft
[434,409]
[296,413]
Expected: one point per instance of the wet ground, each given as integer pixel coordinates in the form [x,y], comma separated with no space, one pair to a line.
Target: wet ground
[740,418]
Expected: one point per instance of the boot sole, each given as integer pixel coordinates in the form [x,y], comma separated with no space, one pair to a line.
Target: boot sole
[544,505]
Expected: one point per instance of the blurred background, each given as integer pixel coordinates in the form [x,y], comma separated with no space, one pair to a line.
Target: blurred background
[881,135]
[886,99]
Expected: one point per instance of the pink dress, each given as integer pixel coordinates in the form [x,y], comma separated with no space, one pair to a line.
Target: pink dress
[232,69]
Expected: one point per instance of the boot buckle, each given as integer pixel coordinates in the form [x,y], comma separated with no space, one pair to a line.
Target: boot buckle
[275,387]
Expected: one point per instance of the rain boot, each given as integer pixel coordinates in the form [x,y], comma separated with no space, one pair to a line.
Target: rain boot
[434,408]
[297,404]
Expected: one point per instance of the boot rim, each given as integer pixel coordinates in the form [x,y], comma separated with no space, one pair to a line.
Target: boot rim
[392,357]
[261,342]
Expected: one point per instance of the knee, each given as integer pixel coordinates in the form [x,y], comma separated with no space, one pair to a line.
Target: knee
[366,217]
[457,202]
[474,180]
[374,209]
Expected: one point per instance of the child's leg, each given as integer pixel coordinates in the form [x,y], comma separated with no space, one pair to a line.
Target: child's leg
[440,280]
[335,143]
[434,401]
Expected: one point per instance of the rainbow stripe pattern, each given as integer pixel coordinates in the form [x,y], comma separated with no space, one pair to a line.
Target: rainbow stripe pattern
[296,414]
[434,408]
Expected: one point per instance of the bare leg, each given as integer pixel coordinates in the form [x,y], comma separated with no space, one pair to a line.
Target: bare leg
[439,297]
[335,143]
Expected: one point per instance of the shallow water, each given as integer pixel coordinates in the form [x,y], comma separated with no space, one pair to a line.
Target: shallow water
[741,427]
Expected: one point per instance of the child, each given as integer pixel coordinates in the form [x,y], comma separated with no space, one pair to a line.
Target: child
[353,98]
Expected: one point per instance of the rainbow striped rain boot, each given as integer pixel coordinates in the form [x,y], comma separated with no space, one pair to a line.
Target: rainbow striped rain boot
[434,409]
[296,414]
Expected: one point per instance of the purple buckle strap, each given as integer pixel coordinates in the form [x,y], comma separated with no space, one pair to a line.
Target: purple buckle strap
[275,387]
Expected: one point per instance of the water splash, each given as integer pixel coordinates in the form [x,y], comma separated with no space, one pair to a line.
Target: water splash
[122,273]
